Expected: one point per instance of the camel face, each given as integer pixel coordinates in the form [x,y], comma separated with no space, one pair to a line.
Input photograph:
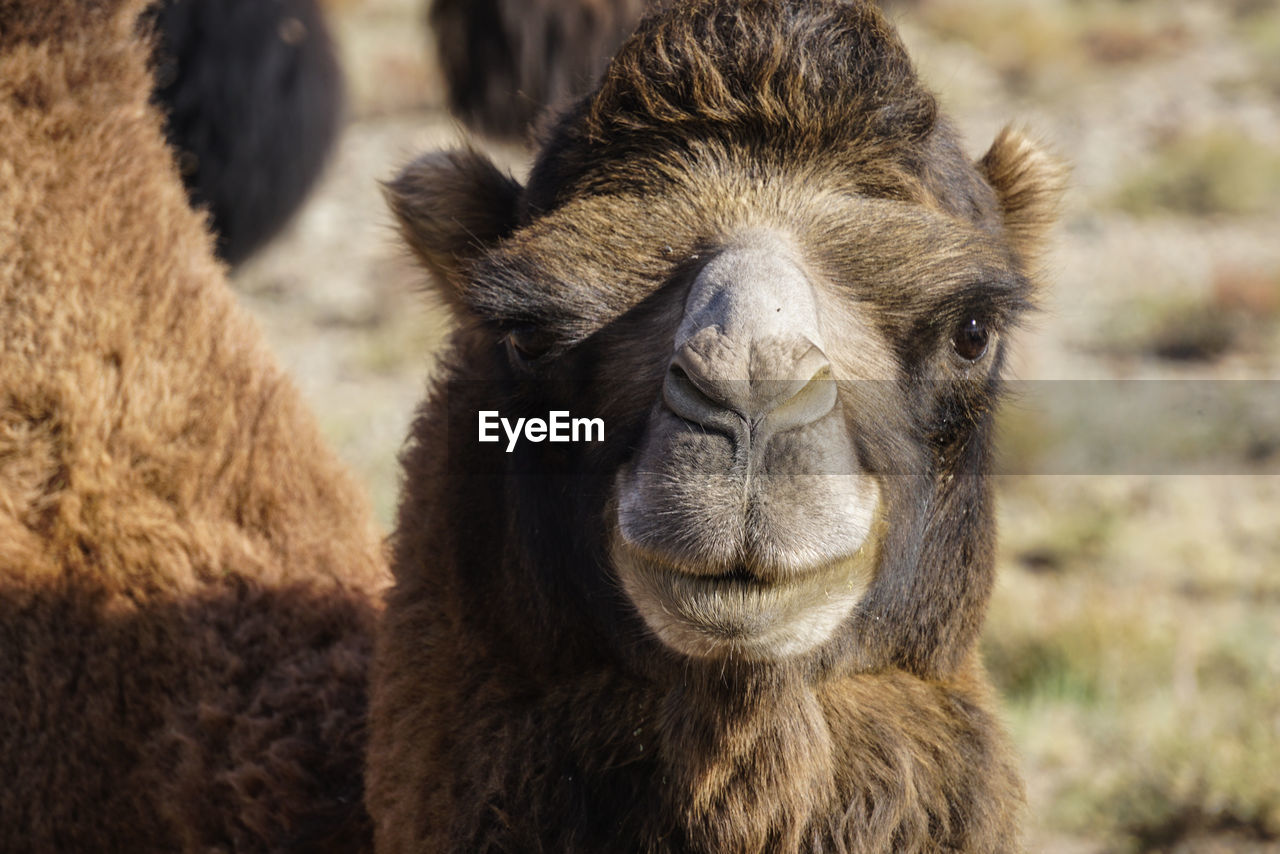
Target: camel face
[758,254]
[750,519]
[773,356]
[768,390]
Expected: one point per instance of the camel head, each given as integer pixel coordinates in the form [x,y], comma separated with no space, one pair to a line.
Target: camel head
[758,254]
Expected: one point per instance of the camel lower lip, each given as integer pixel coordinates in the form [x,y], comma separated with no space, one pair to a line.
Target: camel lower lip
[738,613]
[741,607]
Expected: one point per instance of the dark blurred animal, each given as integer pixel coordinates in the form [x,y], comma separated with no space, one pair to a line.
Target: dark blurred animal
[506,61]
[188,576]
[253,95]
[747,620]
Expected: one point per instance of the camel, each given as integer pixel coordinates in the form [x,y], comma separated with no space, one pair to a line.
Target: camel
[746,620]
[252,94]
[189,579]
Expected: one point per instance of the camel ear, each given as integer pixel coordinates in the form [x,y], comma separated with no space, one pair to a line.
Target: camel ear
[1029,183]
[451,206]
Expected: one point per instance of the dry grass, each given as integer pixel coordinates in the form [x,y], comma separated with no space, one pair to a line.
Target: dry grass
[1211,174]
[1141,669]
[1042,47]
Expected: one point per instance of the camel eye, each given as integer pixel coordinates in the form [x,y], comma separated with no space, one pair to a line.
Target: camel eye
[527,344]
[970,339]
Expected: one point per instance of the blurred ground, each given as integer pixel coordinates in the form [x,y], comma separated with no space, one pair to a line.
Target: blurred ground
[1135,633]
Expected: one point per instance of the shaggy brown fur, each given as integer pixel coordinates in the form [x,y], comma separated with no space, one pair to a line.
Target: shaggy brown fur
[187,575]
[506,61]
[522,701]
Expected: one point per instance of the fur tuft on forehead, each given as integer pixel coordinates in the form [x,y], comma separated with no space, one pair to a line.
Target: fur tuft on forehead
[765,87]
[793,70]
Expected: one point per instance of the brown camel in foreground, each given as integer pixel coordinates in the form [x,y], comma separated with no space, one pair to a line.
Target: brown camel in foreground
[188,577]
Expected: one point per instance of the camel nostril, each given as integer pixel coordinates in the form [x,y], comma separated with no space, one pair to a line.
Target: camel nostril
[813,399]
[761,404]
[693,402]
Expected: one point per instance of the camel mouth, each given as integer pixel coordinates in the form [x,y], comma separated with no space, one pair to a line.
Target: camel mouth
[740,612]
[726,564]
